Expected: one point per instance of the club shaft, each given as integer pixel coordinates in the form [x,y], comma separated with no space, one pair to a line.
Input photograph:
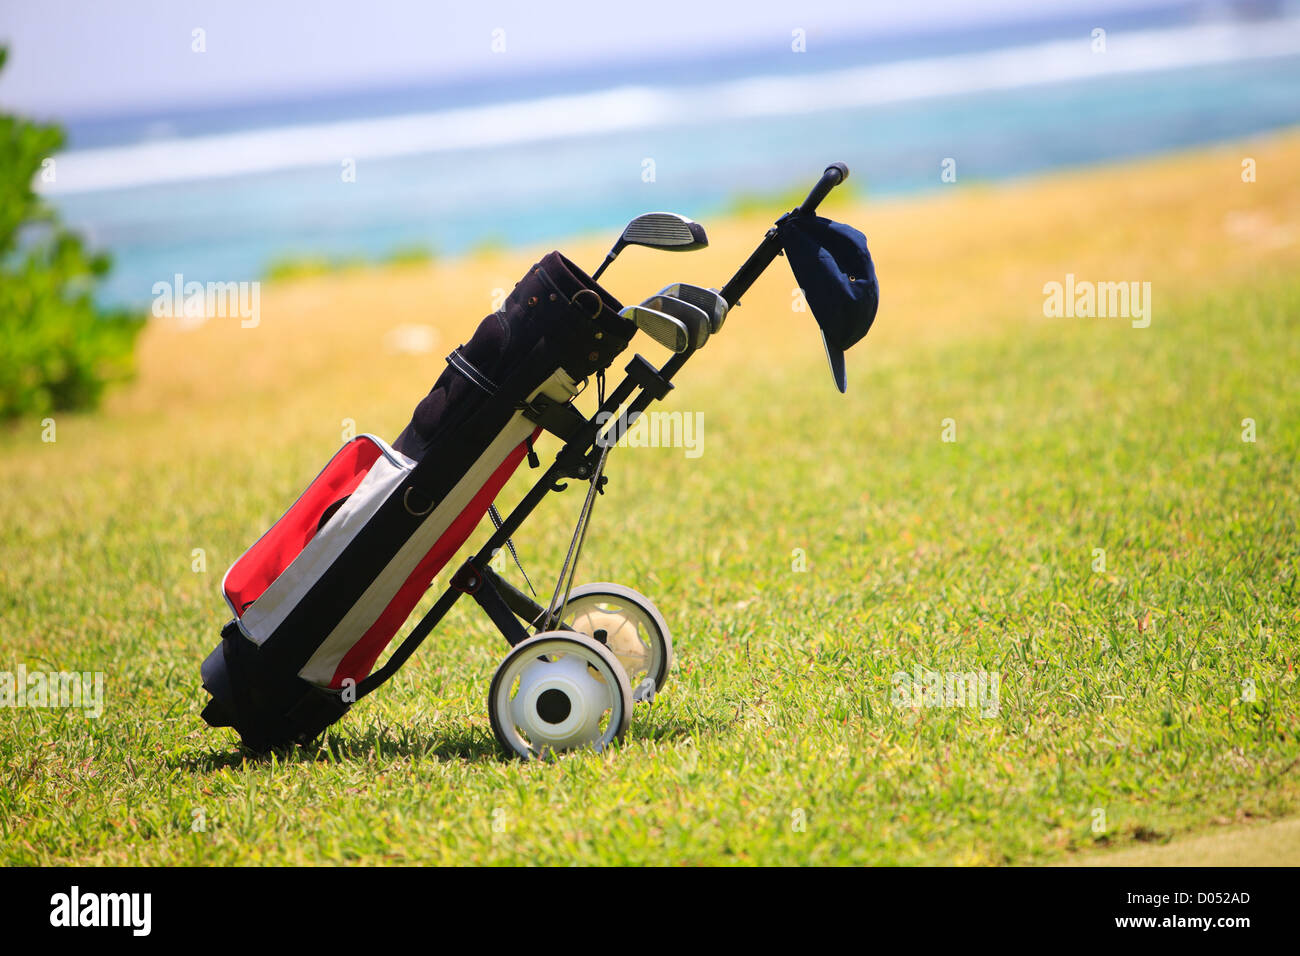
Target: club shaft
[603,266]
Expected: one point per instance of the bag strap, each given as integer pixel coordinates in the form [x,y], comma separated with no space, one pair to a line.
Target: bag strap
[510,546]
[430,477]
[465,367]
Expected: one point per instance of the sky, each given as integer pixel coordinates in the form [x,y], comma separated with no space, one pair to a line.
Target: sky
[75,58]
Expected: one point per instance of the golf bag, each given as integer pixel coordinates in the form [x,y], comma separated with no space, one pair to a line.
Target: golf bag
[318,598]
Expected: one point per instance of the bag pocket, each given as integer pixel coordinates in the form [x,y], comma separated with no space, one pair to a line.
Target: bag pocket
[311,532]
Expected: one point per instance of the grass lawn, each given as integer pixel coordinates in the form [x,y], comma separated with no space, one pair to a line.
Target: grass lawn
[1137,701]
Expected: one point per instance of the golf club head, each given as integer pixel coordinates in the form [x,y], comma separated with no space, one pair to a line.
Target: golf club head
[664,230]
[663,328]
[712,302]
[657,230]
[695,319]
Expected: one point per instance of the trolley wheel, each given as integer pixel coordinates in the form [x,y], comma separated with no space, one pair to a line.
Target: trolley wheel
[559,690]
[634,630]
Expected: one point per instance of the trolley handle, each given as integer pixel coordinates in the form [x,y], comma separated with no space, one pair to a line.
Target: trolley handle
[770,247]
[835,174]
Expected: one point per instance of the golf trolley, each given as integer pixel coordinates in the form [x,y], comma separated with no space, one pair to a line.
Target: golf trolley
[319,597]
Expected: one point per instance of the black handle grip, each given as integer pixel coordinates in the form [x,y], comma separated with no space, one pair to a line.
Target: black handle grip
[835,174]
[768,250]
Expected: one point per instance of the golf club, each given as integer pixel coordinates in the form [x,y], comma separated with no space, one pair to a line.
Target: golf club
[658,230]
[710,300]
[694,318]
[669,332]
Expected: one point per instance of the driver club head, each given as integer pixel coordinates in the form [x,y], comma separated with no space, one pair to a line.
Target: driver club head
[664,230]
[663,328]
[711,301]
[668,231]
[695,319]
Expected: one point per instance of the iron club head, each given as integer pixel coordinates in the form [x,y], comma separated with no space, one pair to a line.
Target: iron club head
[711,301]
[663,328]
[695,319]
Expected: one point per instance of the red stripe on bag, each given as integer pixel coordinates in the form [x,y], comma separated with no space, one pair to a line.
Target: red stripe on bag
[267,559]
[360,659]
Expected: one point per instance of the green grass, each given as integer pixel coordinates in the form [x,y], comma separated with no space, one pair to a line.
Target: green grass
[762,203]
[285,268]
[1121,691]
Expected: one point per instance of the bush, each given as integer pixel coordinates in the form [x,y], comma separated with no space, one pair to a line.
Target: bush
[57,350]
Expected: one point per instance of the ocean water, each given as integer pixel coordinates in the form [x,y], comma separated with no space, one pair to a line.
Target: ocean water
[217,196]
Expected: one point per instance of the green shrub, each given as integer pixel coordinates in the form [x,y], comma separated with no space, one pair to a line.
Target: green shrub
[57,350]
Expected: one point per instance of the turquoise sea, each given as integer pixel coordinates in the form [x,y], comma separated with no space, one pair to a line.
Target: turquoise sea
[219,194]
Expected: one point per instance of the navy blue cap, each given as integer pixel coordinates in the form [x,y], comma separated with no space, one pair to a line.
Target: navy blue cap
[831,263]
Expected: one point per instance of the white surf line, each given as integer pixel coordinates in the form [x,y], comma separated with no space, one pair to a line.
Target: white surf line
[627,108]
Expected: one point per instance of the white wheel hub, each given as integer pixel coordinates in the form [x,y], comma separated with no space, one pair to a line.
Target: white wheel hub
[630,627]
[560,702]
[622,636]
[559,690]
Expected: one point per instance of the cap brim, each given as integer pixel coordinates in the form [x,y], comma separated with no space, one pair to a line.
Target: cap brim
[836,359]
